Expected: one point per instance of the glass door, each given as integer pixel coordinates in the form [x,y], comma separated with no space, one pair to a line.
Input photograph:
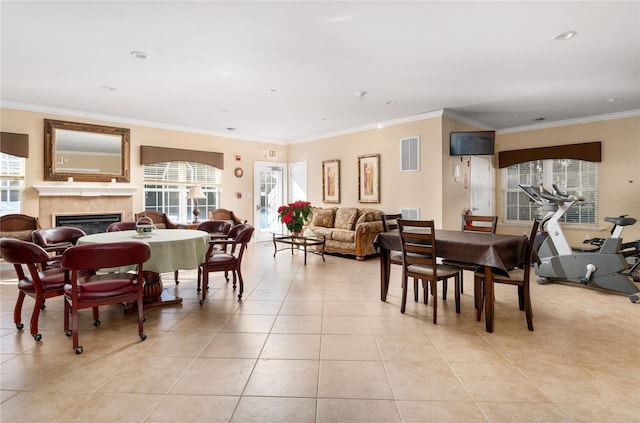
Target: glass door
[270,183]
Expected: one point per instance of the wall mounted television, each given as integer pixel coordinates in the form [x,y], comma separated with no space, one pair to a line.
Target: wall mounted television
[472,143]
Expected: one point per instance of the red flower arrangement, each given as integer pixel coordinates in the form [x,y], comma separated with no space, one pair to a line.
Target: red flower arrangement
[294,215]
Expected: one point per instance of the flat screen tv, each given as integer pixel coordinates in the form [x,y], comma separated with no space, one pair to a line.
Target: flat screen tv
[472,143]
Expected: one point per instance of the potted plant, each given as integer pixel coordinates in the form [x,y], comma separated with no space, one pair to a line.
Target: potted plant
[294,215]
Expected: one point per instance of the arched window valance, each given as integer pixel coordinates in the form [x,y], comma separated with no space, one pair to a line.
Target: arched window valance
[590,151]
[150,154]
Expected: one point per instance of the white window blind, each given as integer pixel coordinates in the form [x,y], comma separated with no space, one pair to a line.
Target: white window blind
[578,177]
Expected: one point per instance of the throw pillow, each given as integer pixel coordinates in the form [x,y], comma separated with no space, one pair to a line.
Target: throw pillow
[364,217]
[324,217]
[345,218]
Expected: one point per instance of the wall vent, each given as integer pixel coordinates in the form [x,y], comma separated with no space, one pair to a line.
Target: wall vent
[410,154]
[410,214]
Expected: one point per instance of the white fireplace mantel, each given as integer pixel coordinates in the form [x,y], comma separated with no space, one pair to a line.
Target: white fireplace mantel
[85,190]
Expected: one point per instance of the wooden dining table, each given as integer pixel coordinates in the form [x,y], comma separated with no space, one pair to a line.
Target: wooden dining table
[497,253]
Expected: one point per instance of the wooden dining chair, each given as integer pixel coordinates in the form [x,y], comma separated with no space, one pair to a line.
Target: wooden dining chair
[87,289]
[121,226]
[217,229]
[19,226]
[471,223]
[56,240]
[418,241]
[518,276]
[228,260]
[39,281]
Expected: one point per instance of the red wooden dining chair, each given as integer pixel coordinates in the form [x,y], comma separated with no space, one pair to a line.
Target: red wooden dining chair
[418,240]
[518,276]
[121,226]
[94,290]
[56,240]
[39,281]
[217,229]
[228,260]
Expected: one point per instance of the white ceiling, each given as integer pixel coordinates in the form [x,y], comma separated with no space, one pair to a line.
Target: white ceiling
[213,65]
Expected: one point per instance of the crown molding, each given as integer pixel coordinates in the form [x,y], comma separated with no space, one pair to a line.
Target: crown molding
[569,122]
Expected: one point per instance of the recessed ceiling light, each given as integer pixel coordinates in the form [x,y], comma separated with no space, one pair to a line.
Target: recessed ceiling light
[361,94]
[390,102]
[538,119]
[108,88]
[226,73]
[139,54]
[565,35]
[325,118]
[230,129]
[610,100]
[380,126]
[274,90]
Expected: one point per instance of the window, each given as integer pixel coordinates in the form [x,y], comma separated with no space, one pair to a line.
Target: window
[11,183]
[166,186]
[576,177]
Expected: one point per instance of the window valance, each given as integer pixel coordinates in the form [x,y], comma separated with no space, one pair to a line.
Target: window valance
[14,144]
[590,151]
[150,154]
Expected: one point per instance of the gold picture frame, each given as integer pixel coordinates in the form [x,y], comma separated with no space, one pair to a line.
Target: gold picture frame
[331,181]
[369,178]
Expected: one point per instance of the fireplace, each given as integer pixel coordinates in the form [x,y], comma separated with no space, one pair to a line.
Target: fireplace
[89,223]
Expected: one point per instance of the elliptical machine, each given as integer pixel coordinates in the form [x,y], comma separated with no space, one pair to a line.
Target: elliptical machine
[601,268]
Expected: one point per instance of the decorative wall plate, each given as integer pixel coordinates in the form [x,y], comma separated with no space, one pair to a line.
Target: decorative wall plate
[238,172]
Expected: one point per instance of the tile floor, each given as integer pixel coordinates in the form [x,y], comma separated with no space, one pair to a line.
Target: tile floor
[315,344]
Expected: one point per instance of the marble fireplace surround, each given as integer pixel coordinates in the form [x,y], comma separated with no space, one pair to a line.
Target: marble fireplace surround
[83,199]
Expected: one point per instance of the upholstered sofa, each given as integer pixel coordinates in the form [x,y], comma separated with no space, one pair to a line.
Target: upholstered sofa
[347,230]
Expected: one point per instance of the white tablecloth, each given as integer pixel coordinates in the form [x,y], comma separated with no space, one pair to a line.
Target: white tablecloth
[171,249]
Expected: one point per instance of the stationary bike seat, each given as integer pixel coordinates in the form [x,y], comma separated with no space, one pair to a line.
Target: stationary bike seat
[621,221]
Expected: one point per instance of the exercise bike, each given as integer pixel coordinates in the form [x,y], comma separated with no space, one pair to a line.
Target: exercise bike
[557,261]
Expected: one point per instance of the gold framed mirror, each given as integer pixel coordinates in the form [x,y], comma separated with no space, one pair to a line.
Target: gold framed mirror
[85,152]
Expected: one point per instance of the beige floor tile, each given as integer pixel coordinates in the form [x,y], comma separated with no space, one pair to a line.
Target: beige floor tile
[178,344]
[305,295]
[353,379]
[292,346]
[284,378]
[309,308]
[504,412]
[357,410]
[235,345]
[298,324]
[407,348]
[275,409]
[37,406]
[425,380]
[349,347]
[148,374]
[258,323]
[110,407]
[260,307]
[214,376]
[344,308]
[602,411]
[441,412]
[496,382]
[346,325]
[194,408]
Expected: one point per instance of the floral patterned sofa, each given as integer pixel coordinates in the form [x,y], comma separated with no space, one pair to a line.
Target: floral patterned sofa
[347,230]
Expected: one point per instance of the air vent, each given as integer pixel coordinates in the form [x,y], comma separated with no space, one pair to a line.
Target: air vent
[410,214]
[410,154]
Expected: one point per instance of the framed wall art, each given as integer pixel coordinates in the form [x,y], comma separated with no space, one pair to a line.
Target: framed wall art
[369,178]
[331,181]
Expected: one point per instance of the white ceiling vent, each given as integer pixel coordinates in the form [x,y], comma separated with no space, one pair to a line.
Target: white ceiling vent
[410,154]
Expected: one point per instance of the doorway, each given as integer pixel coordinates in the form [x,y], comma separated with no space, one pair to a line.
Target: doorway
[269,194]
[481,191]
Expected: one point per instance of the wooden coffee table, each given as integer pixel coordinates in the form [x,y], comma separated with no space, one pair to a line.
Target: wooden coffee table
[294,242]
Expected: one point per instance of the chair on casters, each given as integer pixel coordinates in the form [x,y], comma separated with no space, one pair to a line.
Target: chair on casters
[488,225]
[418,242]
[227,260]
[121,226]
[94,290]
[56,240]
[518,276]
[36,283]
